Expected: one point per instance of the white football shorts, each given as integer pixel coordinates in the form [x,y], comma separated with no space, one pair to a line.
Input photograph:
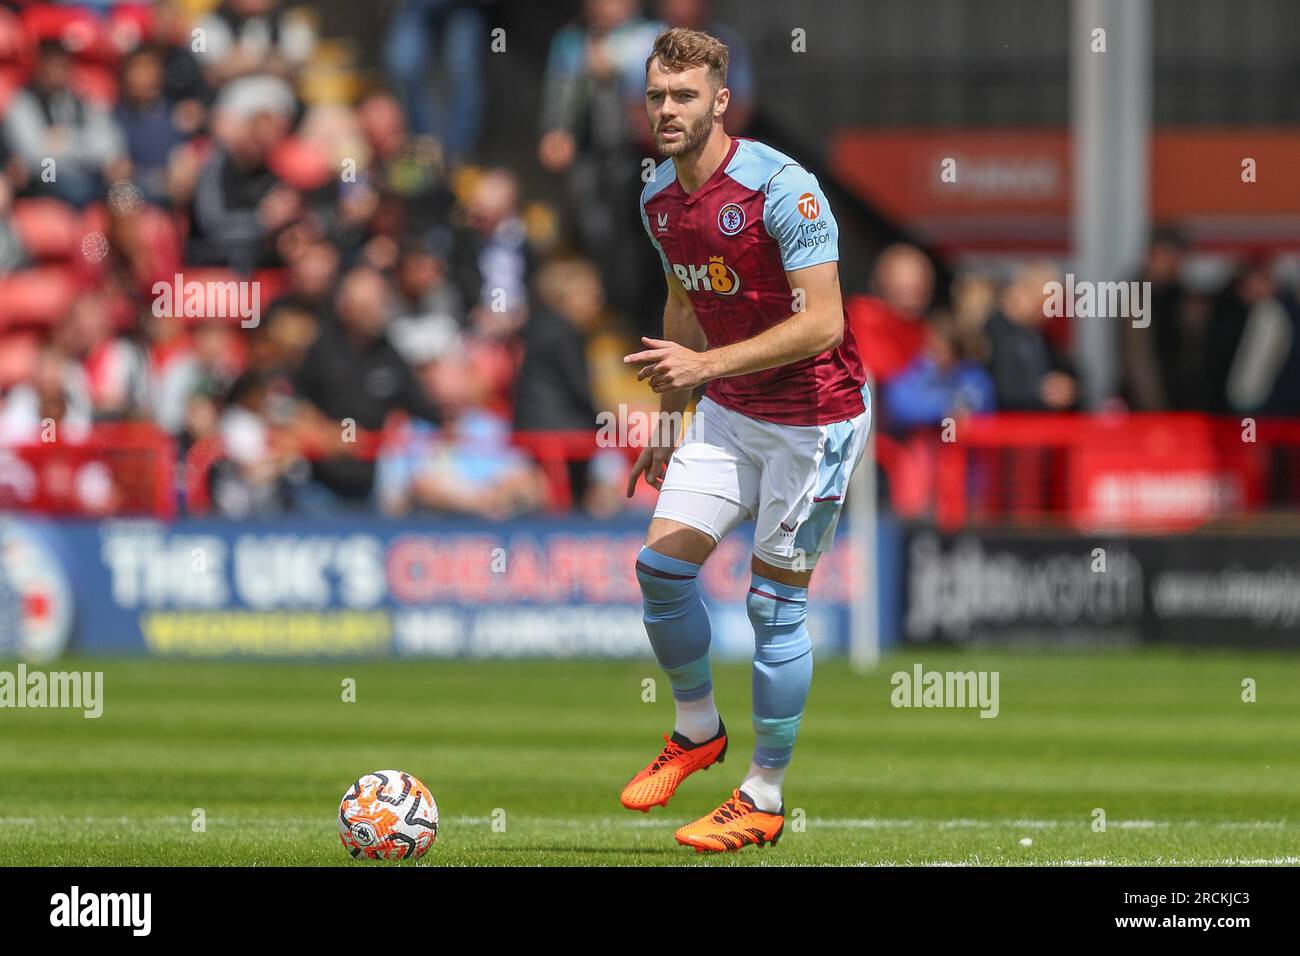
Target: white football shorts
[791,479]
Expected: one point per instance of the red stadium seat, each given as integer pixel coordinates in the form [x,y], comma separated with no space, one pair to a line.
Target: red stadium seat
[15,57]
[81,31]
[271,282]
[77,29]
[160,233]
[94,218]
[14,48]
[38,297]
[48,229]
[17,357]
[122,311]
[129,26]
[11,80]
[95,82]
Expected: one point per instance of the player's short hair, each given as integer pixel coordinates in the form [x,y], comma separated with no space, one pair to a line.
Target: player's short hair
[680,49]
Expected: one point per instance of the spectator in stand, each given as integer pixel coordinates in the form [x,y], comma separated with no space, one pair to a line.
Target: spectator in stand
[503,256]
[203,361]
[249,479]
[171,363]
[146,119]
[451,36]
[1284,395]
[1028,373]
[184,84]
[353,373]
[974,297]
[204,375]
[56,395]
[407,170]
[1264,374]
[313,278]
[239,205]
[1164,362]
[889,325]
[468,466]
[69,149]
[553,390]
[941,382]
[428,316]
[117,372]
[279,344]
[244,37]
[1239,367]
[202,414]
[12,254]
[595,74]
[554,386]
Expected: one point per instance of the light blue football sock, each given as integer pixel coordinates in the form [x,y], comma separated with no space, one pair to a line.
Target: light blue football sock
[676,622]
[782,667]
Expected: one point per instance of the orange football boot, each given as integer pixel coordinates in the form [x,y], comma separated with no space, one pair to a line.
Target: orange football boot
[735,824]
[678,760]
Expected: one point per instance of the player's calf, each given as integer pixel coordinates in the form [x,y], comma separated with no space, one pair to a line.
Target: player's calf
[782,678]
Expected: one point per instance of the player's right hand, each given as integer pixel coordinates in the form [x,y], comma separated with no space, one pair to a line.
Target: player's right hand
[653,463]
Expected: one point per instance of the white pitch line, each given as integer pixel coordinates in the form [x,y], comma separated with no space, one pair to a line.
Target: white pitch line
[1047,861]
[665,818]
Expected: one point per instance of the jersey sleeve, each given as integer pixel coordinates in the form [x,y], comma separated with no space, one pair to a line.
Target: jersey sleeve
[645,221]
[798,217]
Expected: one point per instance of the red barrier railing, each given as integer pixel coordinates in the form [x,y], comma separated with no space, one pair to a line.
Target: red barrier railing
[555,451]
[1154,472]
[114,469]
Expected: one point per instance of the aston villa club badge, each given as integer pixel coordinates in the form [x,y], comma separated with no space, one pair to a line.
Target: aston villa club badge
[731,219]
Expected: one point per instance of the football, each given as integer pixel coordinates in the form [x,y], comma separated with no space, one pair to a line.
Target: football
[388,815]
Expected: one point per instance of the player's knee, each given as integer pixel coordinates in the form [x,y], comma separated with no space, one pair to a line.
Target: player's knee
[770,604]
[668,586]
[778,613]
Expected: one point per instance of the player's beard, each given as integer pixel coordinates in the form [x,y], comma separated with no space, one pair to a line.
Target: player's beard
[696,135]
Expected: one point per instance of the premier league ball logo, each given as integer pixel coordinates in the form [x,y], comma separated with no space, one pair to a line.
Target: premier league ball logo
[731,219]
[364,833]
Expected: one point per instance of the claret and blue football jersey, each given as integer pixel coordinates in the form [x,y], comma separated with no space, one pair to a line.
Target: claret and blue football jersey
[730,244]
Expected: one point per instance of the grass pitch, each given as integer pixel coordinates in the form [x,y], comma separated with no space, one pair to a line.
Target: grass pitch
[527,758]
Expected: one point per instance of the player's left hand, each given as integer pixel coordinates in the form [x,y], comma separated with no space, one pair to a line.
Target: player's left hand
[672,365]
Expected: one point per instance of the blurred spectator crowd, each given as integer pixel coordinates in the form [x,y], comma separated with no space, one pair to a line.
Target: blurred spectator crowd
[407,291]
[994,343]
